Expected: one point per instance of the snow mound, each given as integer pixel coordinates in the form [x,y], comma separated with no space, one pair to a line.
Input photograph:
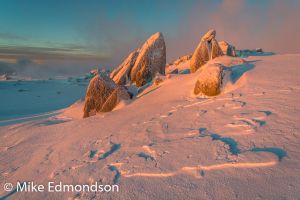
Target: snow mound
[228,61]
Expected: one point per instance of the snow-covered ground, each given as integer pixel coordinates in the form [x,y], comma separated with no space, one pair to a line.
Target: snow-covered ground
[167,143]
[33,99]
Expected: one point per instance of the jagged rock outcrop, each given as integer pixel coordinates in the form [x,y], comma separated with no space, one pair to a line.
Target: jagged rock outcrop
[200,56]
[178,65]
[260,50]
[158,79]
[102,70]
[94,72]
[102,95]
[181,59]
[216,51]
[143,64]
[207,49]
[150,61]
[227,49]
[209,81]
[121,75]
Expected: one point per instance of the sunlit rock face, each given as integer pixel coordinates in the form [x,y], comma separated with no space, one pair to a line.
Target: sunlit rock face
[200,57]
[207,49]
[150,61]
[121,75]
[142,65]
[209,80]
[227,49]
[215,50]
[102,95]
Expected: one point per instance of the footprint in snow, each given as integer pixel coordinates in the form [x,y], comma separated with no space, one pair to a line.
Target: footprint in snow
[249,121]
[114,148]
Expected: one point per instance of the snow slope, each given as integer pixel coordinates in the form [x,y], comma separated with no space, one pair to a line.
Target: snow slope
[168,144]
[28,99]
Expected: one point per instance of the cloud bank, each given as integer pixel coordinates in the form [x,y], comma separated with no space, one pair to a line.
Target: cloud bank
[271,25]
[109,38]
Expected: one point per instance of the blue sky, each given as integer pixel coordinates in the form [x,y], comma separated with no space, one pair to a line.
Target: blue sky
[74,35]
[63,23]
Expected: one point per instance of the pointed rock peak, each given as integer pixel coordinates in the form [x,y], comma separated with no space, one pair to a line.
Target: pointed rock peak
[143,64]
[209,35]
[155,36]
[207,49]
[151,60]
[222,42]
[121,74]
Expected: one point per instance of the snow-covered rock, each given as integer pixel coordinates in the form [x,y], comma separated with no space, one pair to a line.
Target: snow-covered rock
[252,52]
[209,35]
[94,72]
[227,49]
[181,59]
[4,77]
[209,80]
[102,95]
[207,49]
[182,63]
[150,61]
[158,79]
[216,51]
[220,75]
[259,50]
[227,61]
[121,74]
[142,64]
[200,56]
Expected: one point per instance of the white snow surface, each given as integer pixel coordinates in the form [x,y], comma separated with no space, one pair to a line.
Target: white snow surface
[168,144]
[26,99]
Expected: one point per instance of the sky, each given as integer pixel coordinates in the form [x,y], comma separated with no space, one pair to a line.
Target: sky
[70,37]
